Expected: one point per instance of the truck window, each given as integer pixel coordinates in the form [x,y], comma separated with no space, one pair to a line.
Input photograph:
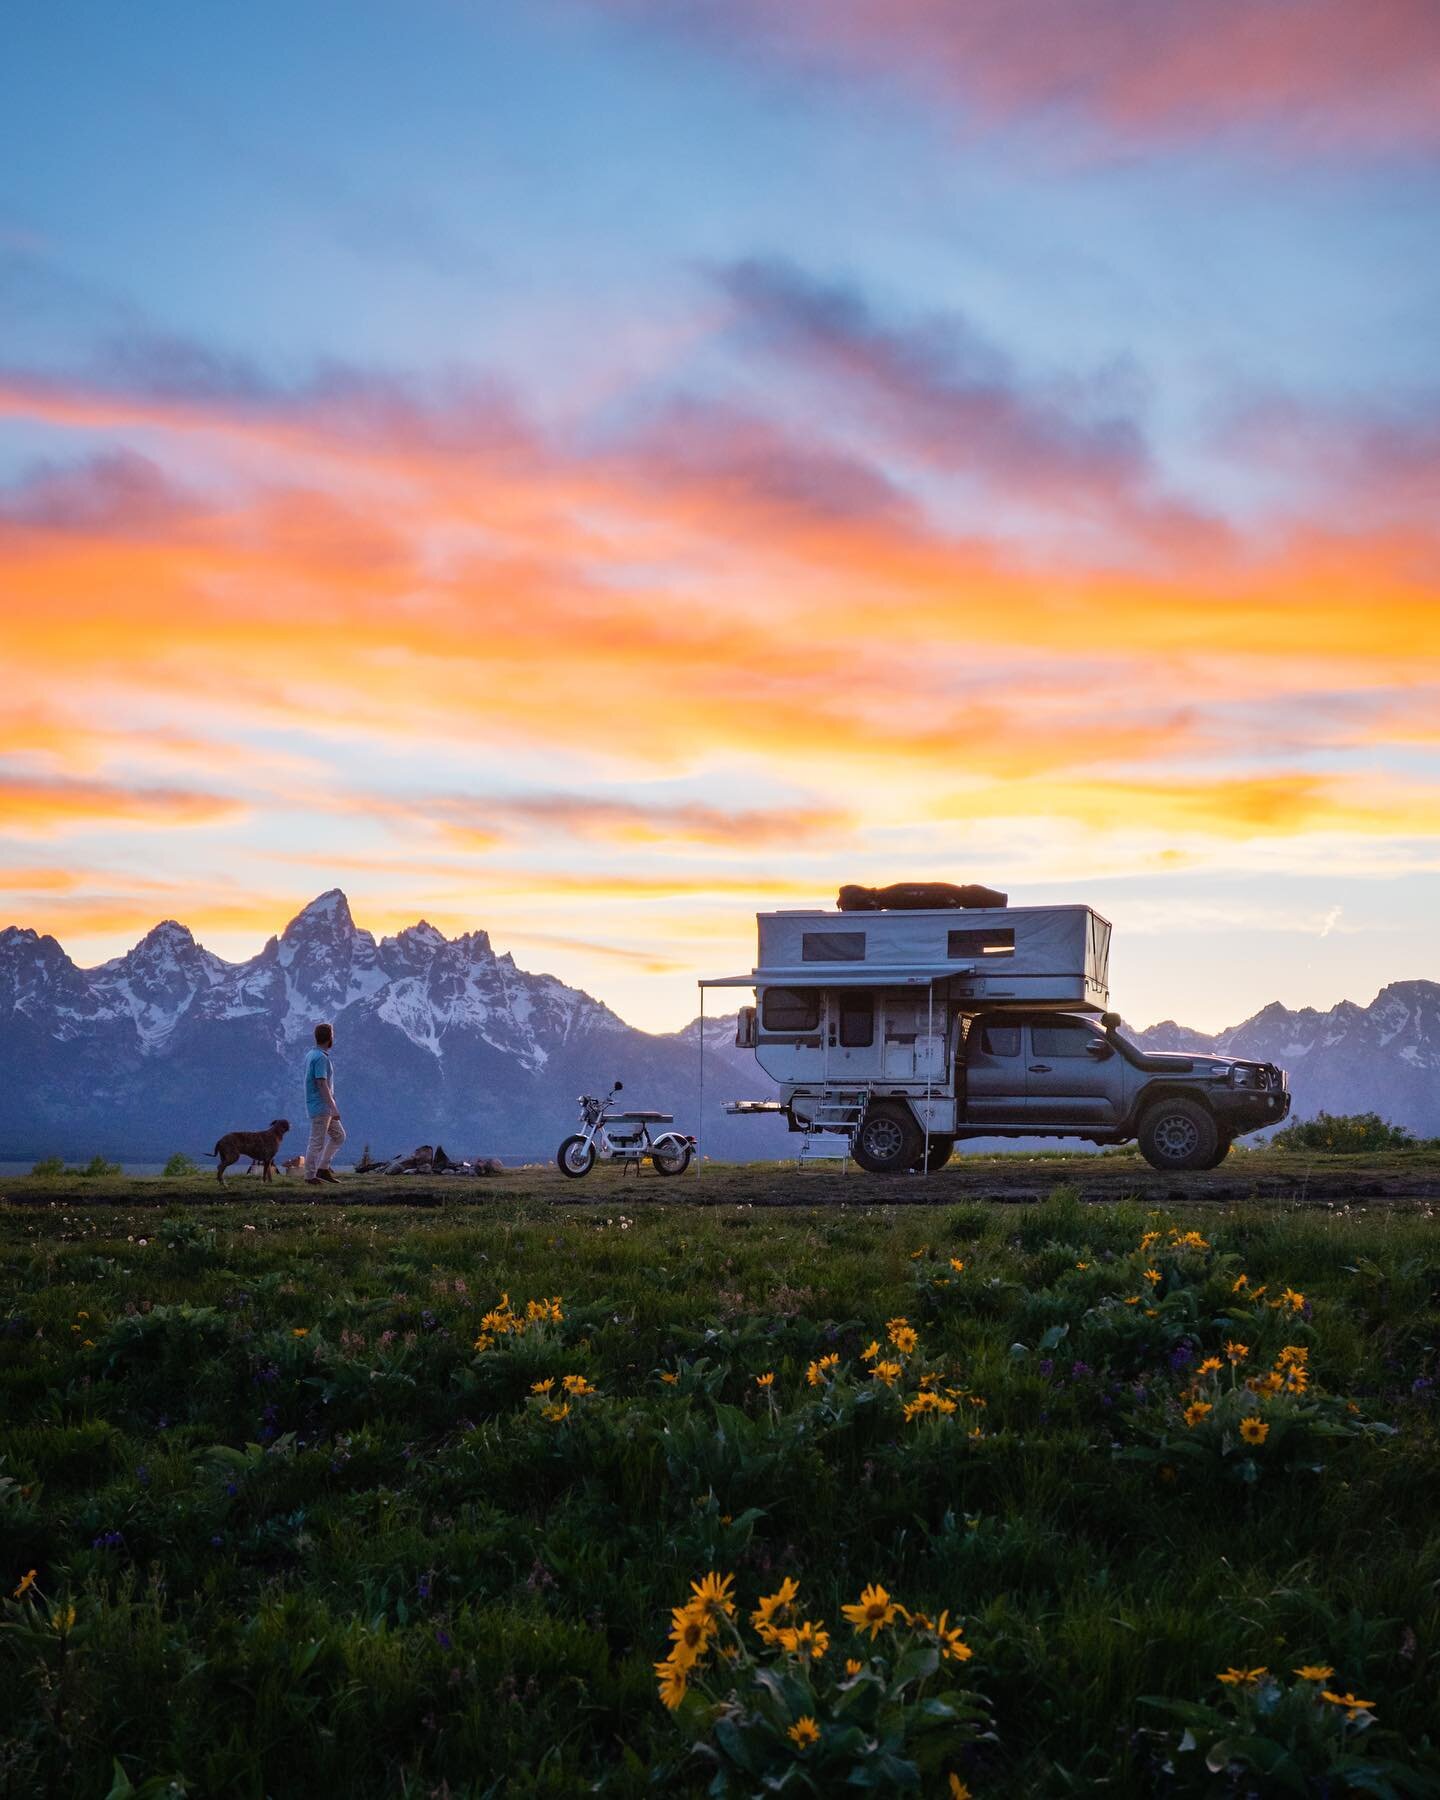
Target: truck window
[1060,1040]
[832,946]
[790,1009]
[857,1021]
[1000,1040]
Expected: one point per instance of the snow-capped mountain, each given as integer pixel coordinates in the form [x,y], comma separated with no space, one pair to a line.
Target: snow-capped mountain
[438,1039]
[1384,1057]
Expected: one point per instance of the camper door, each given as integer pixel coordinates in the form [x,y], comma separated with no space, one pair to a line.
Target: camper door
[790,1041]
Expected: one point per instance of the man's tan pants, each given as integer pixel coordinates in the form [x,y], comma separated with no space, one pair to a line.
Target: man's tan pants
[326,1137]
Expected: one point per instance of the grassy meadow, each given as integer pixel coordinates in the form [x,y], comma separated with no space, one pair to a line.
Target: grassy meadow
[366,1500]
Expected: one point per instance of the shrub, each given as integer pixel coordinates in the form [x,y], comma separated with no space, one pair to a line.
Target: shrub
[180,1164]
[1351,1134]
[49,1166]
[97,1165]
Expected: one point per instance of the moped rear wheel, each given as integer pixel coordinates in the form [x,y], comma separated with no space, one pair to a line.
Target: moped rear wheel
[674,1159]
[575,1157]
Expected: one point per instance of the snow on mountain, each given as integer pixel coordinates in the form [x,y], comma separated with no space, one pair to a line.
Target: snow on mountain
[436,1038]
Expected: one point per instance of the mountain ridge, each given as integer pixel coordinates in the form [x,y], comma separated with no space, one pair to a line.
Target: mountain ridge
[443,1038]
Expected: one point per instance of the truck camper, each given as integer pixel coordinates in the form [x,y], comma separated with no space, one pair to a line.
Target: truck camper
[914,1016]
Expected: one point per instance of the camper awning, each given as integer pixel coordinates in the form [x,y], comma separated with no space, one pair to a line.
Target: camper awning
[829,975]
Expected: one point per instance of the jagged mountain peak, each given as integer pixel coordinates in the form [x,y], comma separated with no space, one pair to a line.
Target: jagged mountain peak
[328,913]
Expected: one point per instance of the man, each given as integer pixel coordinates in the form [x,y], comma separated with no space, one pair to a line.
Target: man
[326,1132]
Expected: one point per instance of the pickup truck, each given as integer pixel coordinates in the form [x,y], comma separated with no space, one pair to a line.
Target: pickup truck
[1057,1074]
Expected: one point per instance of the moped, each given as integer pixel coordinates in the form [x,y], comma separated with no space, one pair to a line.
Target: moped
[611,1134]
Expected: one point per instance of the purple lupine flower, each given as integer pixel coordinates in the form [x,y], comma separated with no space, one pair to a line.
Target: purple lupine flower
[424,1587]
[1047,1368]
[1077,1369]
[217,1541]
[442,1638]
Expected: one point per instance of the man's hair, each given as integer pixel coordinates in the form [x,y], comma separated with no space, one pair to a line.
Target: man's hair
[324,1034]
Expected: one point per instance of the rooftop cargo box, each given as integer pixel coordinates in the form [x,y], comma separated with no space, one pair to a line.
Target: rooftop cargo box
[1006,955]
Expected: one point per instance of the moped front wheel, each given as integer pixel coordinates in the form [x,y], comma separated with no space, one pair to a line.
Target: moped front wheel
[575,1157]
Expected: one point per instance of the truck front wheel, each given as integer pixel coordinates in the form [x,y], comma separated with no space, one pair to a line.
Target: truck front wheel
[888,1141]
[1179,1134]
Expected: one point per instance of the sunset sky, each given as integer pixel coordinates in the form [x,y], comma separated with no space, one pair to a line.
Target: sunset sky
[591,469]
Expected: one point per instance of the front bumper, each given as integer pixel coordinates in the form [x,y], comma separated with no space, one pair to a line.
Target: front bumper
[1242,1109]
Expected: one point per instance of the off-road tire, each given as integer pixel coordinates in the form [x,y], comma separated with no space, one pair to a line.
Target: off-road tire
[941,1150]
[582,1165]
[673,1161]
[1222,1150]
[1179,1134]
[888,1142]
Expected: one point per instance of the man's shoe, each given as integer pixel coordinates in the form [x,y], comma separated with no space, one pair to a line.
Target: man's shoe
[325,1175]
[312,1181]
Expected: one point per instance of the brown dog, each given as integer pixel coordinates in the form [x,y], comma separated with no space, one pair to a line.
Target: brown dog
[261,1145]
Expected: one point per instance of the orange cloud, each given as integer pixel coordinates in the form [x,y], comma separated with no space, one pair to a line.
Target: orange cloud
[33,804]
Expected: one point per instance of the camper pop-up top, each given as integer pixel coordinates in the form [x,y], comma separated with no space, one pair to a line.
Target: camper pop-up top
[901,1031]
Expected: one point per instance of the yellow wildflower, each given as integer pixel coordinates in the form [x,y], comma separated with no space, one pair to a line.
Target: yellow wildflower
[1315,1671]
[1296,1379]
[1209,1366]
[888,1372]
[873,1609]
[301,1331]
[713,1594]
[542,1387]
[539,1312]
[1290,1300]
[767,1380]
[1152,1274]
[668,1377]
[1291,1354]
[1236,1352]
[807,1639]
[763,1617]
[804,1732]
[852,1667]
[1254,1431]
[818,1372]
[1132,1299]
[1353,1706]
[957,1265]
[1240,1281]
[950,1637]
[958,1789]
[27,1581]
[1150,1237]
[1082,1265]
[672,1683]
[915,1255]
[871,1351]
[691,1630]
[557,1412]
[62,1619]
[484,1341]
[1242,1677]
[576,1384]
[1196,1411]
[904,1338]
[1189,1240]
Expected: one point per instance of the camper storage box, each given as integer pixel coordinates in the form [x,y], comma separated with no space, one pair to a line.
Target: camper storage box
[991,956]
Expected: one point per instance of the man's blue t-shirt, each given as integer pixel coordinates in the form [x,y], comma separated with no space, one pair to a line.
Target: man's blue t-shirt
[317,1069]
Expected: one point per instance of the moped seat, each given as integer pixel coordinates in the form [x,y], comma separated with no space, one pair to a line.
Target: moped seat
[641,1118]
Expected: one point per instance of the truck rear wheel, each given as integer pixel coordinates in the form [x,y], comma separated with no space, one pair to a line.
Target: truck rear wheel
[941,1150]
[1179,1134]
[888,1141]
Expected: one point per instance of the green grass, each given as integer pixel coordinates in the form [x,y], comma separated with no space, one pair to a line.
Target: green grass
[360,1561]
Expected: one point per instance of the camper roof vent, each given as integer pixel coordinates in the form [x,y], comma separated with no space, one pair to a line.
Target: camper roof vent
[918,896]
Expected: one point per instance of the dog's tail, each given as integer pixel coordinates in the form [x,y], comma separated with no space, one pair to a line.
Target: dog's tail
[214,1152]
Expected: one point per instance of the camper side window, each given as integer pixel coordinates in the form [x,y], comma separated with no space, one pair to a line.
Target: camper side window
[790,1009]
[857,1021]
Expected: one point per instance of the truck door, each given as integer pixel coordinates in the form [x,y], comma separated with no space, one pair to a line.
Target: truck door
[1070,1075]
[995,1073]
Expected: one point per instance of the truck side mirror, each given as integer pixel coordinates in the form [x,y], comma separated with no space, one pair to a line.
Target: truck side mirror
[745,1028]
